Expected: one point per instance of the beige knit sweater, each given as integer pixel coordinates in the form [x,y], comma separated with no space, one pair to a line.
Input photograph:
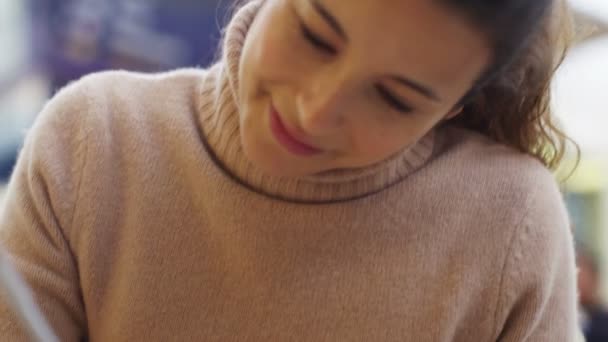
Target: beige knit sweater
[134,216]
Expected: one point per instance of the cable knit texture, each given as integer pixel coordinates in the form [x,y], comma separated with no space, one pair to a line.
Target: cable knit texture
[134,216]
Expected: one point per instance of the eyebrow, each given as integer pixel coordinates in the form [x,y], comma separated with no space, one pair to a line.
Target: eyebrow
[330,19]
[424,90]
[335,25]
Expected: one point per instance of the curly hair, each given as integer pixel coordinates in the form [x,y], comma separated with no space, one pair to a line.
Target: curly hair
[511,102]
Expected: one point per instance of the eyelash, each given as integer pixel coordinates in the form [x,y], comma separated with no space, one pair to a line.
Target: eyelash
[316,41]
[325,47]
[393,101]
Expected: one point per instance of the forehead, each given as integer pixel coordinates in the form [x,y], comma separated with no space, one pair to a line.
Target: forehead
[417,36]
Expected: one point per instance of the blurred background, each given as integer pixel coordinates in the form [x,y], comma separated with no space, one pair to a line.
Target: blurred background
[45,44]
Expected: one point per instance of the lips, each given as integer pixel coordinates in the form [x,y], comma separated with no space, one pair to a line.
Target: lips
[287,139]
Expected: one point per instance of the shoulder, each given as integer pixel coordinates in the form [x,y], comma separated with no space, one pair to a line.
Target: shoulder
[494,176]
[121,83]
[485,158]
[106,104]
[100,95]
[99,112]
[117,106]
[510,196]
[96,129]
[123,91]
[528,217]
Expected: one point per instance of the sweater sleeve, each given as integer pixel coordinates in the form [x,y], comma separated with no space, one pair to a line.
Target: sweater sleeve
[36,220]
[538,292]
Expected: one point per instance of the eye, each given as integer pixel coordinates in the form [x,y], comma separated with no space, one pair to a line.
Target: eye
[316,41]
[393,101]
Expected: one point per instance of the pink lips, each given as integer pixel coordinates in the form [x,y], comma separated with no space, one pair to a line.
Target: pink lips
[287,140]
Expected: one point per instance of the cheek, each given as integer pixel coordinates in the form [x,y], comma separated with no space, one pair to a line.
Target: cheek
[377,141]
[273,52]
[270,57]
[381,142]
[262,61]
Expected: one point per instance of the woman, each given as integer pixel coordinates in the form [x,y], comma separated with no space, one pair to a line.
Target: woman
[348,171]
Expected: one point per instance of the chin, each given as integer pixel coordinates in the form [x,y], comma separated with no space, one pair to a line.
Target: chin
[275,163]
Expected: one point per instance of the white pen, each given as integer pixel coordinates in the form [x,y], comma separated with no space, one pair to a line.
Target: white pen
[20,298]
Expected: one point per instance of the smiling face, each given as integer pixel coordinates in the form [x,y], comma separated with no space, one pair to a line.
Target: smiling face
[333,84]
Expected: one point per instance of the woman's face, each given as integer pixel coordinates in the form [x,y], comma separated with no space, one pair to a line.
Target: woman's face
[334,84]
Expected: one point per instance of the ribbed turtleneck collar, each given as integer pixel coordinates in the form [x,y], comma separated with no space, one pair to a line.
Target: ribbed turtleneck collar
[219,120]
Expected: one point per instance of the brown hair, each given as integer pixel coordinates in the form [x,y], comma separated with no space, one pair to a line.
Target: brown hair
[512,102]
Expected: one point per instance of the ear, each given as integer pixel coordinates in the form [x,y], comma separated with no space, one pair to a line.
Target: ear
[453,113]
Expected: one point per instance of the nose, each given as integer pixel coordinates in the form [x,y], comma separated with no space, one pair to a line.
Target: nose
[321,106]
